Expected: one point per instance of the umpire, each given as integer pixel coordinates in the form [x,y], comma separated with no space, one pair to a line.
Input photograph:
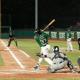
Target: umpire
[79,43]
[12,38]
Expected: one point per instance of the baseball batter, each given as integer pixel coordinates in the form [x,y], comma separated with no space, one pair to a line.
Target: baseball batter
[42,40]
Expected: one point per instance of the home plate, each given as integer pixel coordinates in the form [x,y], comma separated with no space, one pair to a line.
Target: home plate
[6,49]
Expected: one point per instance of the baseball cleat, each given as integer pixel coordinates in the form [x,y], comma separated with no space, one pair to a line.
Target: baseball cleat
[36,68]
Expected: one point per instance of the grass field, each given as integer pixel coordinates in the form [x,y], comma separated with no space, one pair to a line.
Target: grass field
[31,48]
[1,61]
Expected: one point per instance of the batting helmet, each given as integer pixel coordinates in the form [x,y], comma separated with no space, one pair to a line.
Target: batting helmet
[37,31]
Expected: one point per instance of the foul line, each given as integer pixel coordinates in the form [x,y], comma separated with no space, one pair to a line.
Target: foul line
[12,54]
[24,53]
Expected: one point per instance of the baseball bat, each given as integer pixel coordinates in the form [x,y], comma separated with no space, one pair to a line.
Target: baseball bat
[49,24]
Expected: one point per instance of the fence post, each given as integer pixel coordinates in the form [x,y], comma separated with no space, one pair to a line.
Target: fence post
[75,35]
[57,34]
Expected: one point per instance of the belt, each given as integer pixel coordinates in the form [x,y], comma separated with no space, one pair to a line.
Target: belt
[45,44]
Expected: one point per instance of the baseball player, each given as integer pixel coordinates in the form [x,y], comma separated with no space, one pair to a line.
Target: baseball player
[12,38]
[42,39]
[79,43]
[69,43]
[59,60]
[78,61]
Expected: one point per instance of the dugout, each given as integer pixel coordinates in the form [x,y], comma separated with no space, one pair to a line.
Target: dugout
[29,33]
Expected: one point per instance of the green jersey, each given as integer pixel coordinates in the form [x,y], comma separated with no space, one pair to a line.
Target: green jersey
[68,33]
[41,39]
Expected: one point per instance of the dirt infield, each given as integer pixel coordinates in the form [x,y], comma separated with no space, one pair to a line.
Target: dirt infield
[20,65]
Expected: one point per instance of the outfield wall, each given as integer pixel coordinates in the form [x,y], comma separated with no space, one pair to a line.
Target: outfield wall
[62,35]
[53,34]
[19,34]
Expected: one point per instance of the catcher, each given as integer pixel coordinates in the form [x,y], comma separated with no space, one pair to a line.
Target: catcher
[60,60]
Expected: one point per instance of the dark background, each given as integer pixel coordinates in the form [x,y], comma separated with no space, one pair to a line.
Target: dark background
[20,14]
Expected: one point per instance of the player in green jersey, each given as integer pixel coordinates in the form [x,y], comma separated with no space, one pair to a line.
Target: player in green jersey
[42,39]
[69,43]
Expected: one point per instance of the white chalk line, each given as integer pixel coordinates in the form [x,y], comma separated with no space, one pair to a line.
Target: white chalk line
[19,71]
[12,54]
[24,53]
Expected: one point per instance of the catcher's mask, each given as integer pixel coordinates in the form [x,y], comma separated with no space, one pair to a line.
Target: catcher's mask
[56,48]
[37,31]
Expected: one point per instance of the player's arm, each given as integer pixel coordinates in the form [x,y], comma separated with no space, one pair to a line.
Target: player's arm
[46,35]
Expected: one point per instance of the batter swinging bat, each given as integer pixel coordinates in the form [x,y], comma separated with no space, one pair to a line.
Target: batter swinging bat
[48,25]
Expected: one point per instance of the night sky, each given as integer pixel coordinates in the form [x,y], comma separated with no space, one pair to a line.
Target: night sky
[21,13]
